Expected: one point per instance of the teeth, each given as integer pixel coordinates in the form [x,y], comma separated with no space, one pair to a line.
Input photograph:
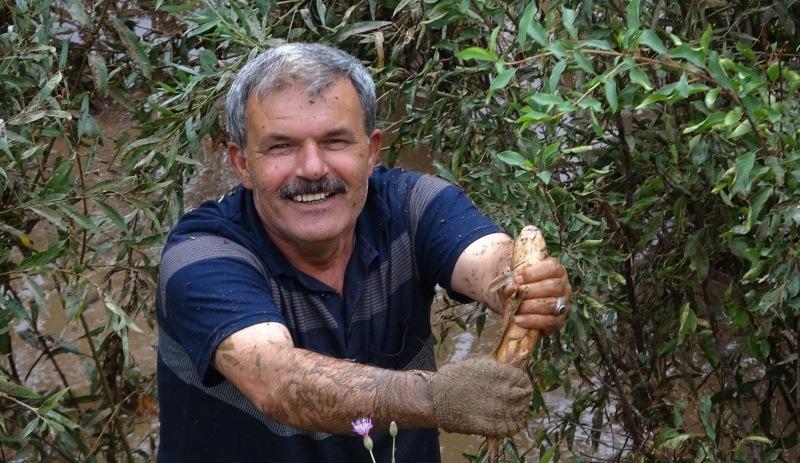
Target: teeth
[310,198]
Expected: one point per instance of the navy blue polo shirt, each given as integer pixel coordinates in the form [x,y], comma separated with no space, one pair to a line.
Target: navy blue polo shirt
[220,273]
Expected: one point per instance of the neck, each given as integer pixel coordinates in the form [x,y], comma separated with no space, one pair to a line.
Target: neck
[327,262]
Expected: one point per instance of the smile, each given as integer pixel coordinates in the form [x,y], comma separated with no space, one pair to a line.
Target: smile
[310,198]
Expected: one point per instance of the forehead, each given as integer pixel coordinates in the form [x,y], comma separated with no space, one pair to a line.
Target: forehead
[295,111]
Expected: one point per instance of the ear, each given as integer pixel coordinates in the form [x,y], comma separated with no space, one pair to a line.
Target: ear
[375,141]
[238,161]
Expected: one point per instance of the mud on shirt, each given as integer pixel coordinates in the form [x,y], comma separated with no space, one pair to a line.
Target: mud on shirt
[220,273]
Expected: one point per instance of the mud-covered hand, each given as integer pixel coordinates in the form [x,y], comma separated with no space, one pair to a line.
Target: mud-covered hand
[546,287]
[480,395]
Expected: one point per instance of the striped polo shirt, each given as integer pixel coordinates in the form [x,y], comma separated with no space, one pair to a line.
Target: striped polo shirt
[220,273]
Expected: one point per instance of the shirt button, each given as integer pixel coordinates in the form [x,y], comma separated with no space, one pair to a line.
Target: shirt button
[325,296]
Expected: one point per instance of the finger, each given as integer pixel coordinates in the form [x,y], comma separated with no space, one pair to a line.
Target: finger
[546,269]
[550,288]
[546,324]
[543,306]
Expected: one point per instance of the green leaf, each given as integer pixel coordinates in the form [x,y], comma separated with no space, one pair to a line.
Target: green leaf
[705,40]
[774,70]
[591,244]
[15,390]
[652,99]
[711,97]
[583,62]
[568,19]
[135,48]
[546,99]
[76,298]
[632,15]
[308,20]
[741,129]
[733,116]
[713,119]
[99,73]
[746,51]
[547,456]
[594,43]
[512,158]
[652,40]
[500,82]
[717,72]
[43,258]
[589,221]
[639,77]
[51,402]
[611,94]
[180,7]
[46,92]
[112,214]
[524,23]
[555,76]
[688,322]
[345,32]
[50,215]
[757,204]
[538,33]
[696,252]
[641,205]
[688,53]
[29,428]
[744,164]
[87,223]
[478,54]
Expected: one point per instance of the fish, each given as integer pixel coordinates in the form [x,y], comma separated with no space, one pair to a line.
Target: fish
[515,344]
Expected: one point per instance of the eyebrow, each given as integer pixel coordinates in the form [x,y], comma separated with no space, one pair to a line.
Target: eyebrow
[272,137]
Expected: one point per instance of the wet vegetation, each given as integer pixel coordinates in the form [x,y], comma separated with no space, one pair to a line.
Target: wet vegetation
[655,142]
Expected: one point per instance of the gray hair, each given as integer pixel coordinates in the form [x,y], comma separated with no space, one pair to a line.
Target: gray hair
[314,65]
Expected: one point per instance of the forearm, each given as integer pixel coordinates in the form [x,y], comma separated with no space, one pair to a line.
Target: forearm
[310,391]
[479,265]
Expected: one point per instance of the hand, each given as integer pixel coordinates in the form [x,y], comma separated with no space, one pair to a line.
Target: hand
[482,396]
[544,283]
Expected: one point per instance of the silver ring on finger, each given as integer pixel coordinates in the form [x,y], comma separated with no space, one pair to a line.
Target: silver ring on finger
[560,307]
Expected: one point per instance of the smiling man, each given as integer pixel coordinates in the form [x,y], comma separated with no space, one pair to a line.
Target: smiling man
[301,302]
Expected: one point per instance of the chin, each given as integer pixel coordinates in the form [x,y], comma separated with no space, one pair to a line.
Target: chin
[319,231]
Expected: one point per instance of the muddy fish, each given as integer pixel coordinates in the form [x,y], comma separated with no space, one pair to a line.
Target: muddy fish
[515,344]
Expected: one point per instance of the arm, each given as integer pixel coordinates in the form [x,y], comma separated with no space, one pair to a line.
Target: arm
[314,392]
[488,257]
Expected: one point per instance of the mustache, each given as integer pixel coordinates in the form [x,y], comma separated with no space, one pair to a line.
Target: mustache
[304,186]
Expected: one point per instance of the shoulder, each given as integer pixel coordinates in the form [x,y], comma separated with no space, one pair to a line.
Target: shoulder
[226,216]
[400,185]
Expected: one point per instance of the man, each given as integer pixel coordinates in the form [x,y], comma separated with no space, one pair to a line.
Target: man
[301,302]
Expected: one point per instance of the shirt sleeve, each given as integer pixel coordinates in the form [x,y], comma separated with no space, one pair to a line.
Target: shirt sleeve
[210,287]
[444,222]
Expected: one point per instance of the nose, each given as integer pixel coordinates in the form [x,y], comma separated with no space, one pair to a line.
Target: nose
[311,161]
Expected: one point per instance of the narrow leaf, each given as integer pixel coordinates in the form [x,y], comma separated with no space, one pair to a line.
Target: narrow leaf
[525,22]
[478,54]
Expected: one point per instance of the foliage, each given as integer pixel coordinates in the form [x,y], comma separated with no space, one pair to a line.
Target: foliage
[663,170]
[654,142]
[81,212]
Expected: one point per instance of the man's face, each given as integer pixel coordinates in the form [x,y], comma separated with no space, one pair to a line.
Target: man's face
[307,161]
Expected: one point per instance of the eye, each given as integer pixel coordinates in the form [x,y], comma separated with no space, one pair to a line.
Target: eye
[336,144]
[277,149]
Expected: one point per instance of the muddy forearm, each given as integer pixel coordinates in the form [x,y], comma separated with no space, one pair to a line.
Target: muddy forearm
[479,264]
[310,391]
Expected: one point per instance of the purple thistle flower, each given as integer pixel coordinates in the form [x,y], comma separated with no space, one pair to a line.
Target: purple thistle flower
[362,426]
